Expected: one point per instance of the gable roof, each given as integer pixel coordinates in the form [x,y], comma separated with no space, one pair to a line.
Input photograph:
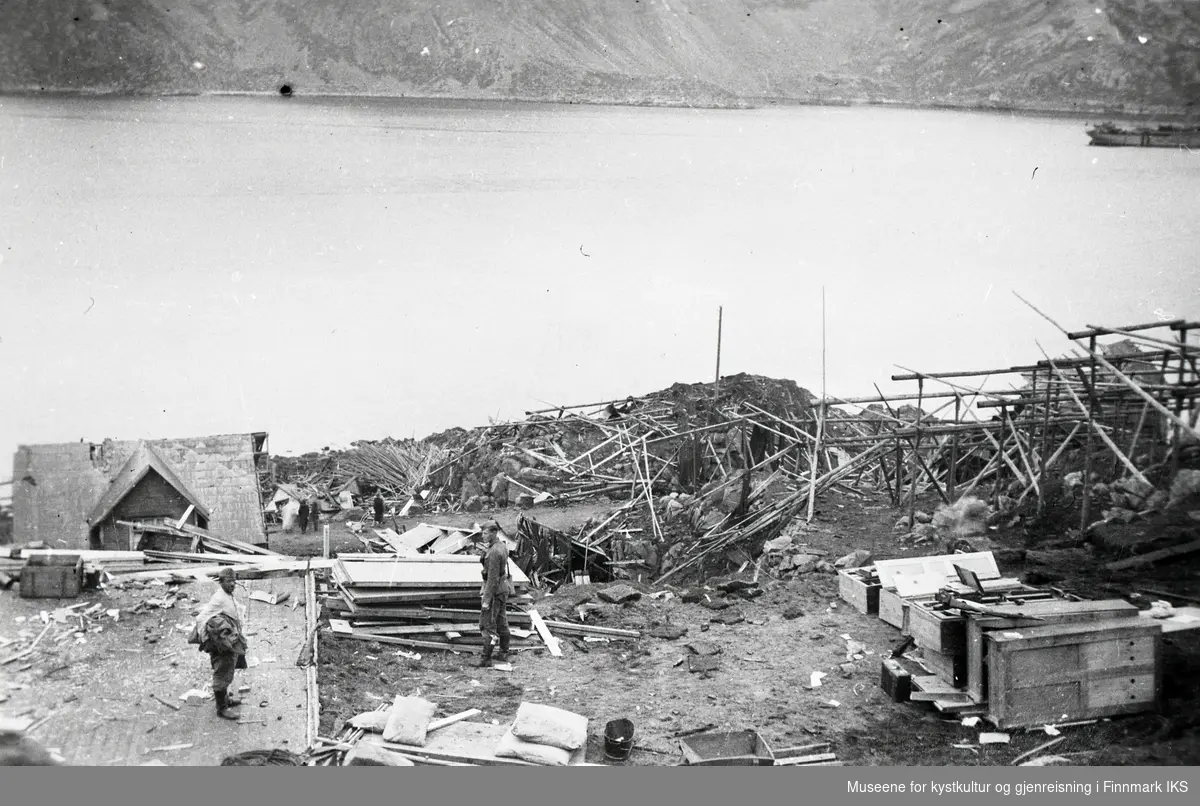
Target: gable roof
[141,462]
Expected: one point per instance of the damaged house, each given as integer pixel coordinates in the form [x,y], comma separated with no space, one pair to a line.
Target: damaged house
[78,495]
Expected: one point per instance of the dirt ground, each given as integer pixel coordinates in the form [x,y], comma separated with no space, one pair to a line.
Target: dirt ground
[766,660]
[99,696]
[95,695]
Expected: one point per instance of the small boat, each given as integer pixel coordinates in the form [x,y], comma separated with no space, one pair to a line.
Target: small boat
[1109,134]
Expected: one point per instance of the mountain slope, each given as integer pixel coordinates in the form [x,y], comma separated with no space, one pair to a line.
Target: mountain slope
[1024,53]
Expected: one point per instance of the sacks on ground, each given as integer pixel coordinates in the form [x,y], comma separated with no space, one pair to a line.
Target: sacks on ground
[512,747]
[545,724]
[371,721]
[408,720]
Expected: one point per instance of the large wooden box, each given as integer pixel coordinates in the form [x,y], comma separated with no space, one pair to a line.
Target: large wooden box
[1067,672]
[942,631]
[893,608]
[861,595]
[1056,611]
[61,580]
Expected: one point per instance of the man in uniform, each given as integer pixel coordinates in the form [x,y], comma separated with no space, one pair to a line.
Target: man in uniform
[378,508]
[218,631]
[497,587]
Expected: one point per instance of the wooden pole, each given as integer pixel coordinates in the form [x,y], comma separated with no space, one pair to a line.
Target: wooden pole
[1179,401]
[816,454]
[1085,514]
[951,479]
[916,448]
[1045,443]
[717,380]
[812,463]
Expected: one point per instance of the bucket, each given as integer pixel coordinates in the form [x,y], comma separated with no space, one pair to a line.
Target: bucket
[618,739]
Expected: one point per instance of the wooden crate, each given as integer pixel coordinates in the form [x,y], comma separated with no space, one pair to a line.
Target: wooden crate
[1057,611]
[742,748]
[893,608]
[937,630]
[862,596]
[58,581]
[1067,672]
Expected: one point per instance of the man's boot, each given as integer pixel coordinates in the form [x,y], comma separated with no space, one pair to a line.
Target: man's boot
[502,656]
[231,700]
[223,706]
[486,658]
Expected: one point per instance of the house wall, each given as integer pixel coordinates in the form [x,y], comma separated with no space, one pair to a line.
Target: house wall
[54,490]
[71,477]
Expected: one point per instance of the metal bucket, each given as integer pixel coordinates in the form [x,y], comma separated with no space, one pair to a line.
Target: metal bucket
[618,739]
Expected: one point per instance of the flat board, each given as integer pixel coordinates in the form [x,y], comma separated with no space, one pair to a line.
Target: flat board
[469,743]
[419,536]
[942,565]
[420,575]
[1182,618]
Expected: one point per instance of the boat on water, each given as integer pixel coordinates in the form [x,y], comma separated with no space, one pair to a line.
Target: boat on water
[1109,134]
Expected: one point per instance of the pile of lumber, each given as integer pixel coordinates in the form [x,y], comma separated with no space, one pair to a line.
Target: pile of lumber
[425,601]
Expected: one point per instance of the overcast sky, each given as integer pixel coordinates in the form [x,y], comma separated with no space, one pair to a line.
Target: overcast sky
[335,273]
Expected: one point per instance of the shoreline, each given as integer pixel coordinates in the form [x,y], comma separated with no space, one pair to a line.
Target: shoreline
[736,104]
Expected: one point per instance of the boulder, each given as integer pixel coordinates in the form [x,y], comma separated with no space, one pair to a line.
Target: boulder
[855,559]
[922,517]
[793,612]
[525,500]
[806,563]
[902,525]
[670,632]
[673,510]
[619,594]
[1184,487]
[474,504]
[692,596]
[778,544]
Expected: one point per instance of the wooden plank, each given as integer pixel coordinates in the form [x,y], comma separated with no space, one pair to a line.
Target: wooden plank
[421,574]
[187,513]
[1154,556]
[928,696]
[438,724]
[803,760]
[544,631]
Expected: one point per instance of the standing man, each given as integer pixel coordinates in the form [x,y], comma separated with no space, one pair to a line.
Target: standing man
[304,517]
[497,587]
[314,512]
[378,508]
[218,631]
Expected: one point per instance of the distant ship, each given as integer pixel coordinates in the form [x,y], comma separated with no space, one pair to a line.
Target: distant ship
[1108,134]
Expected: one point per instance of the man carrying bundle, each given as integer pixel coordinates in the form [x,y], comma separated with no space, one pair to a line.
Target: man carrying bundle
[218,631]
[497,587]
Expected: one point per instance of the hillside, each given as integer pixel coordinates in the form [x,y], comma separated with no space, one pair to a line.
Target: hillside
[1067,55]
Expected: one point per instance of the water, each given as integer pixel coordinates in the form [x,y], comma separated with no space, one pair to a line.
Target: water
[341,269]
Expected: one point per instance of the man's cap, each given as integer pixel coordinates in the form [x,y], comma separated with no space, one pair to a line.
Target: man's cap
[225,574]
